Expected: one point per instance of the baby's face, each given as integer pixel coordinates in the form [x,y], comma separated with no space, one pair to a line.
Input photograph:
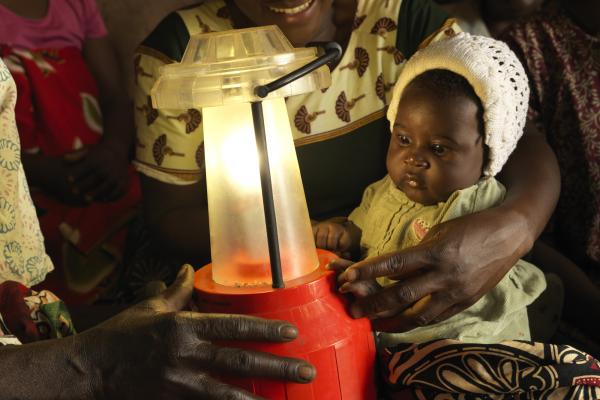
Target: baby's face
[436,147]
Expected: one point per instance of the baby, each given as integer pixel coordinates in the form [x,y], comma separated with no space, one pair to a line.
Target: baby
[457,112]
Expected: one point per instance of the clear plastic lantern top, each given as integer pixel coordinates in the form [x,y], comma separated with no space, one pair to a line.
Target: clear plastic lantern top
[219,73]
[222,68]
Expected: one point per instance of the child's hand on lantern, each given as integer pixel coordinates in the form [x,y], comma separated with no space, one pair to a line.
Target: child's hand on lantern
[333,236]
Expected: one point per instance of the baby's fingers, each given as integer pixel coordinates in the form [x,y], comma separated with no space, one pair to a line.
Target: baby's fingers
[321,233]
[339,264]
[360,288]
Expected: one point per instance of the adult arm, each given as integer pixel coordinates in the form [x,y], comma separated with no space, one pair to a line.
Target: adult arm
[460,260]
[152,350]
[101,174]
[177,217]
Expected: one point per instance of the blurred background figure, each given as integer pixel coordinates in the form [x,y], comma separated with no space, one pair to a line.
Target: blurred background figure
[489,17]
[560,50]
[76,130]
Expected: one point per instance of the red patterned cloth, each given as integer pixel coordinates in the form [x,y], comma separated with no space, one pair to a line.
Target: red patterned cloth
[563,64]
[28,316]
[57,113]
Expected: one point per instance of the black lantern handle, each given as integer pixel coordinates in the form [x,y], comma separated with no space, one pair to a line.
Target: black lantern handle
[333,52]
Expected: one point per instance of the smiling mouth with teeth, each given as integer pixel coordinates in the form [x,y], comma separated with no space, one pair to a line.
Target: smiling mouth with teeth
[293,10]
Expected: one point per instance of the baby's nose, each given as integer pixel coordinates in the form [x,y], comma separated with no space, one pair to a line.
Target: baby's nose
[416,160]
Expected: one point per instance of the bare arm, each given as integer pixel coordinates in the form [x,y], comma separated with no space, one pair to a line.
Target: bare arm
[116,107]
[101,172]
[532,179]
[177,217]
[43,370]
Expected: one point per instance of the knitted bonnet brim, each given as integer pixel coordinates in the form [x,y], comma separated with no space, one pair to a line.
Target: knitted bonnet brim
[497,77]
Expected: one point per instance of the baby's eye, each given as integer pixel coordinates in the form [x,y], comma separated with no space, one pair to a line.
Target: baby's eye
[404,140]
[438,149]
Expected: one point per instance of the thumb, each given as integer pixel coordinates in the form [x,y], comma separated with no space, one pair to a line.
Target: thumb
[176,296]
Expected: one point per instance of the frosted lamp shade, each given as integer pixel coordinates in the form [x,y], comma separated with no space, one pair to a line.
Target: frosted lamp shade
[240,254]
[225,67]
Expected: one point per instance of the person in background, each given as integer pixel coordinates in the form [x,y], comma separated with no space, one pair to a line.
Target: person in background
[111,361]
[490,17]
[560,50]
[76,129]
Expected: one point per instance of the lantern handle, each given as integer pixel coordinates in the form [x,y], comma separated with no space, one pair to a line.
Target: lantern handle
[333,52]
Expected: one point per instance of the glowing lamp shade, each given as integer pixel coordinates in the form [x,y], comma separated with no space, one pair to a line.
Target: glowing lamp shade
[219,73]
[264,261]
[239,248]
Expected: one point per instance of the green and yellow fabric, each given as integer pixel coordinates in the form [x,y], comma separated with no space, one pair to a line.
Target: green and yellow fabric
[340,133]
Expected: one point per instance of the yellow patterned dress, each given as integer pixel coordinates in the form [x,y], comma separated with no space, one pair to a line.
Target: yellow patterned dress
[340,133]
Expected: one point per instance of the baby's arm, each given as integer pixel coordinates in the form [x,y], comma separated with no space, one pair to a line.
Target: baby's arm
[338,235]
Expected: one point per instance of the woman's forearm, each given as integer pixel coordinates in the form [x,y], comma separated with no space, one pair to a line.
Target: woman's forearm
[118,125]
[117,110]
[51,369]
[532,180]
[35,169]
[177,217]
[183,234]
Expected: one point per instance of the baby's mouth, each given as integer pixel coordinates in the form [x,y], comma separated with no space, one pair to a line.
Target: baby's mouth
[413,181]
[291,10]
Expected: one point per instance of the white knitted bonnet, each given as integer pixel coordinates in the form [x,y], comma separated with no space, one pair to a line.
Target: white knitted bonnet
[497,77]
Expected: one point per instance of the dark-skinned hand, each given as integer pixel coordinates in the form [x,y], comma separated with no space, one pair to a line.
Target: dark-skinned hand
[51,174]
[332,236]
[99,173]
[156,351]
[456,263]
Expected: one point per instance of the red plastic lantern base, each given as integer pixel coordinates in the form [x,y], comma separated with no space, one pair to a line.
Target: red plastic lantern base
[341,348]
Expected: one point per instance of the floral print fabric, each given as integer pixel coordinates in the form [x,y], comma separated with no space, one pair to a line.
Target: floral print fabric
[28,316]
[563,64]
[23,257]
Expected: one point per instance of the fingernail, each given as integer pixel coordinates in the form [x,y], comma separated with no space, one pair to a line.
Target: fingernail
[328,266]
[344,288]
[306,373]
[356,312]
[183,271]
[288,332]
[351,275]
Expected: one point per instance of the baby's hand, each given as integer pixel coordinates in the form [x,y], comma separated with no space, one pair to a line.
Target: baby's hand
[333,236]
[359,289]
